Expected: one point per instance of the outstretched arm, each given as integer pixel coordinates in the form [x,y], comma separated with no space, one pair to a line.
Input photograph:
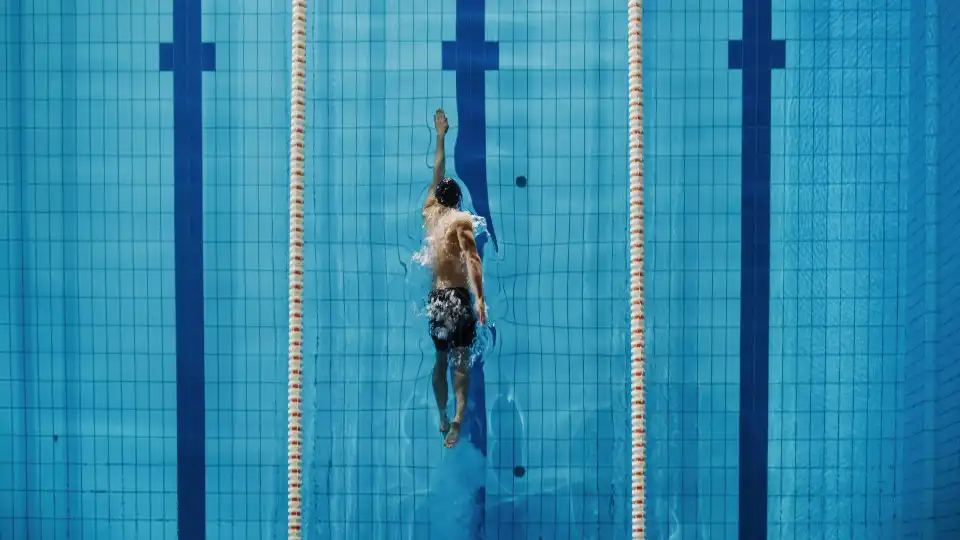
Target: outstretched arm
[439,157]
[468,247]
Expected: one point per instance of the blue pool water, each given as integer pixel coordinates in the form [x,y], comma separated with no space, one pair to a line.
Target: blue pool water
[801,239]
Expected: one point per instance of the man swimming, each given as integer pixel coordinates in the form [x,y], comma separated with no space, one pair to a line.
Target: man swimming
[457,271]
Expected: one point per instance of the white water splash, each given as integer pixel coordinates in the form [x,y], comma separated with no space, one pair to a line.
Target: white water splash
[479,226]
[423,256]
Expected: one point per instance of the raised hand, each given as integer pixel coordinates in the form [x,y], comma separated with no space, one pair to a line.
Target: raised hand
[440,122]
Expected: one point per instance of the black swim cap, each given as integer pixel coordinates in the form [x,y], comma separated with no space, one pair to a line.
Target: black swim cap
[448,193]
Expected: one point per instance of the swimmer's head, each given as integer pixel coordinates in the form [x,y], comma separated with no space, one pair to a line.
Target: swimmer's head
[448,193]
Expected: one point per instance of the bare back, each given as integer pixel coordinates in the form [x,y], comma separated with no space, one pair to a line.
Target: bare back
[448,261]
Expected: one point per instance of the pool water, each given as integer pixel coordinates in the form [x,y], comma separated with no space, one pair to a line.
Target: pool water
[800,241]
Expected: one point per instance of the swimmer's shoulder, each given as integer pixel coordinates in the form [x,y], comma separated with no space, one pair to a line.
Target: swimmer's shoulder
[430,211]
[461,221]
[462,218]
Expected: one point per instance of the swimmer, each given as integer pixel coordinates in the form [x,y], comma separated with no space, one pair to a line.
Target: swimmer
[457,271]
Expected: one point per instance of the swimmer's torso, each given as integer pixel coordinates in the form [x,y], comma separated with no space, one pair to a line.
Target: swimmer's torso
[449,266]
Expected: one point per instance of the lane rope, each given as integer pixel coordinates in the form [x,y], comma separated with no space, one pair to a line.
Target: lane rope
[637,349]
[298,77]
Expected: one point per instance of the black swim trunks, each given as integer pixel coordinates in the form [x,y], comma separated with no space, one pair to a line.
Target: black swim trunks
[452,322]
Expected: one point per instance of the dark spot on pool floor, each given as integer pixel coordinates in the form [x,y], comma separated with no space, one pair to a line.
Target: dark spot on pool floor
[521,181]
[519,471]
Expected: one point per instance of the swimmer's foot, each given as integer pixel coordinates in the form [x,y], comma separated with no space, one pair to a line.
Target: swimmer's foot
[454,435]
[444,423]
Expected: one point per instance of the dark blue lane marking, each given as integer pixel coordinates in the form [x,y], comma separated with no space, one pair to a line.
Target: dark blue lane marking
[757,55]
[188,58]
[471,56]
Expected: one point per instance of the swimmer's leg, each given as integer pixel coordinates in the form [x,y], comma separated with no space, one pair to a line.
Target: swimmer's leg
[461,384]
[440,388]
